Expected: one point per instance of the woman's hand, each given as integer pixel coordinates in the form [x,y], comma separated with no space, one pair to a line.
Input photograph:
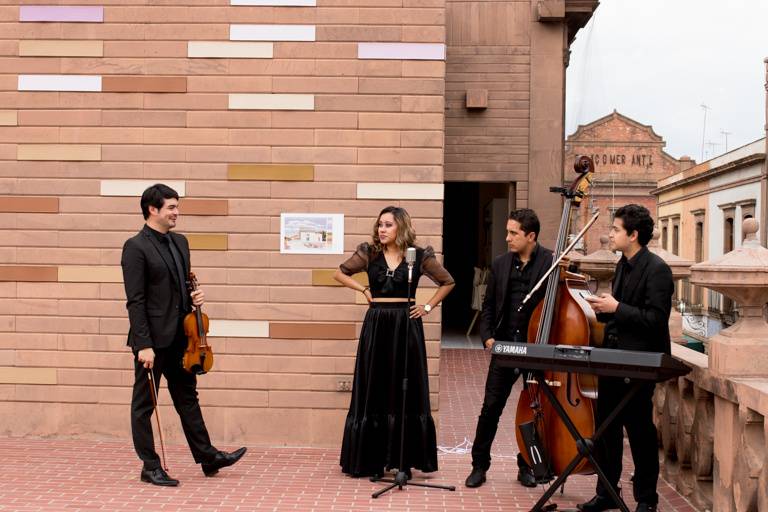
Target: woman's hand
[418,312]
[367,295]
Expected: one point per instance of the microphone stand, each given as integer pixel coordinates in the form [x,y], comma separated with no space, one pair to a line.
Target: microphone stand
[401,479]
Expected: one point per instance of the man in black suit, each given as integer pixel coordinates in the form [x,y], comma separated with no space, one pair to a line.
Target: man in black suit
[636,314]
[512,276]
[155,268]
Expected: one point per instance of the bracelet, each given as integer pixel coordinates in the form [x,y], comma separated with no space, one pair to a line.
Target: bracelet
[363,290]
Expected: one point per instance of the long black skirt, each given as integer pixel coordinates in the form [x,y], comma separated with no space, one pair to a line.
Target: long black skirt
[372,430]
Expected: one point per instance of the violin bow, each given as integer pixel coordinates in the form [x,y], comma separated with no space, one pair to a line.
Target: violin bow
[559,259]
[157,416]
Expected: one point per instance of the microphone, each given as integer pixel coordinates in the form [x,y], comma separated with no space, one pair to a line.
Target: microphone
[410,259]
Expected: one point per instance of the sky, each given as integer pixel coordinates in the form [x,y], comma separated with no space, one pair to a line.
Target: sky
[658,61]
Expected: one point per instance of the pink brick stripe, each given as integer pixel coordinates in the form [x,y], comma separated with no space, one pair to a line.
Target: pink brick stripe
[77,13]
[401,51]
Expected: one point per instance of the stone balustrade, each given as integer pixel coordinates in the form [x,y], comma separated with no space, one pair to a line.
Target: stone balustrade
[711,423]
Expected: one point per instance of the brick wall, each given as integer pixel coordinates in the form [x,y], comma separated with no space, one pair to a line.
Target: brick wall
[340,111]
[629,160]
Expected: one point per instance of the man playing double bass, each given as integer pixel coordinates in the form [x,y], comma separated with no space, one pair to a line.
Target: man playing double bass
[637,318]
[513,275]
[155,268]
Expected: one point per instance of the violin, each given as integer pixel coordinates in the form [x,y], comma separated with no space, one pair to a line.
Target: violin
[563,317]
[198,357]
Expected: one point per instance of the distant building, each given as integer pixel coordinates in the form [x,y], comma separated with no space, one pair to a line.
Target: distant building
[629,160]
[700,212]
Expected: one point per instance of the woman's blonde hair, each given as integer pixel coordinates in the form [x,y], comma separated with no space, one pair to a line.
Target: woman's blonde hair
[406,236]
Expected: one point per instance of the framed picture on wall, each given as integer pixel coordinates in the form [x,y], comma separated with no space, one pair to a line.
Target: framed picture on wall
[312,233]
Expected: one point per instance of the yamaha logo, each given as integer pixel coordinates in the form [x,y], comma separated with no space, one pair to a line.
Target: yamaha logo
[512,350]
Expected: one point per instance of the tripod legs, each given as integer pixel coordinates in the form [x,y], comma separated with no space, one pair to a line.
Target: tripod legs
[401,480]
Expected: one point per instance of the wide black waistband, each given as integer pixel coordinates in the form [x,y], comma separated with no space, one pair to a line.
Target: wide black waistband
[389,305]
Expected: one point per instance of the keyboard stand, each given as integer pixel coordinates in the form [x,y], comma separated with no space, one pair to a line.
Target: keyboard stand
[584,446]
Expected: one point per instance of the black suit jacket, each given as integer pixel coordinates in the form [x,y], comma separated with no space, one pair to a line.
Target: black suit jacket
[493,303]
[152,289]
[642,318]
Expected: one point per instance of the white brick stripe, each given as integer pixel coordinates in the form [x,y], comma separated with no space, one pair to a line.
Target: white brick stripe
[79,83]
[134,188]
[426,191]
[238,329]
[272,32]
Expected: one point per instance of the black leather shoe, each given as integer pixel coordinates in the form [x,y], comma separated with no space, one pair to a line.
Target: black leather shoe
[476,478]
[525,477]
[645,507]
[158,477]
[597,504]
[222,460]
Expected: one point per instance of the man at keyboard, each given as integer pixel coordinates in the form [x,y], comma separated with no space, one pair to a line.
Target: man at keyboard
[636,314]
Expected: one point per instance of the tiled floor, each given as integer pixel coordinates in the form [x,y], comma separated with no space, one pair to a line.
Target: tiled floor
[65,475]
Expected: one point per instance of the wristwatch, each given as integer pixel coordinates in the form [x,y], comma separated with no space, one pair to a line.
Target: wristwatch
[427,308]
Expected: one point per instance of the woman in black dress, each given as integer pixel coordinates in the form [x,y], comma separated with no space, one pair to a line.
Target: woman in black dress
[371,441]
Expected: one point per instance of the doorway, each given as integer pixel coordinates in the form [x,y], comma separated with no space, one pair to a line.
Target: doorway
[474,224]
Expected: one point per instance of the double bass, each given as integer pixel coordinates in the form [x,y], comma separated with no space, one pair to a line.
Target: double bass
[563,317]
[198,357]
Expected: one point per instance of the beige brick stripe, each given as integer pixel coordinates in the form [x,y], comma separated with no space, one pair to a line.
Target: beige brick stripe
[17,375]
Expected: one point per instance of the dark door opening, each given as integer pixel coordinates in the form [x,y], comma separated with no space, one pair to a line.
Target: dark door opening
[474,224]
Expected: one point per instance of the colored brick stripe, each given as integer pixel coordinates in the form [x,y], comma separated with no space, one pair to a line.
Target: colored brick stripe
[401,51]
[21,375]
[66,13]
[72,83]
[29,204]
[271,172]
[144,84]
[272,32]
[312,331]
[60,48]
[324,277]
[90,274]
[229,50]
[9,118]
[64,152]
[136,187]
[28,273]
[426,191]
[238,329]
[189,206]
[271,102]
[207,241]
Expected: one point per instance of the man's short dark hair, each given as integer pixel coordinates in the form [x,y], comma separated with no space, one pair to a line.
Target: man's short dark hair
[529,221]
[636,218]
[156,196]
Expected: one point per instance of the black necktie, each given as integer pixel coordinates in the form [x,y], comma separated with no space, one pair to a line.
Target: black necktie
[180,272]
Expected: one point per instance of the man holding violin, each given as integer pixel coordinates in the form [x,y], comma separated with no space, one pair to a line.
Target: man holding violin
[513,275]
[636,314]
[155,268]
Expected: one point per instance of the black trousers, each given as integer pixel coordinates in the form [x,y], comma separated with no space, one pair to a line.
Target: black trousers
[182,387]
[637,419]
[498,386]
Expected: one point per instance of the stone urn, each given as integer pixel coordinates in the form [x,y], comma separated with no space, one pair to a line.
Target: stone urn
[601,265]
[681,268]
[742,274]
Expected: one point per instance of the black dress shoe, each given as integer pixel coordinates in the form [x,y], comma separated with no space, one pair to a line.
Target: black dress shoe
[597,504]
[158,476]
[525,477]
[476,478]
[645,507]
[222,460]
